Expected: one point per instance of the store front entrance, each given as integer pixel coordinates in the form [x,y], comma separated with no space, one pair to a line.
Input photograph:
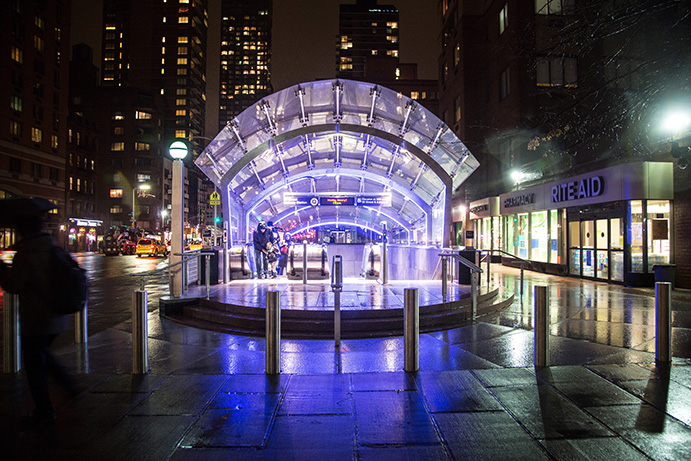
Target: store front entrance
[596,248]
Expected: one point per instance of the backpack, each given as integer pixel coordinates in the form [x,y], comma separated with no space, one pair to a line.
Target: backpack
[68,283]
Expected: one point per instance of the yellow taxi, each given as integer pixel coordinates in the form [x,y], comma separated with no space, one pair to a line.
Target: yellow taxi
[149,246]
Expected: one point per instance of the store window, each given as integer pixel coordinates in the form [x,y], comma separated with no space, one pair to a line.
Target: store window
[658,233]
[636,238]
[575,247]
[539,236]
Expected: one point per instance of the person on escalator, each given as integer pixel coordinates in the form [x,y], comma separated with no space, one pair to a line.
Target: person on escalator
[261,237]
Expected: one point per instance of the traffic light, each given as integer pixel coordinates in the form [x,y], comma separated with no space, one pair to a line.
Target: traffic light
[218,219]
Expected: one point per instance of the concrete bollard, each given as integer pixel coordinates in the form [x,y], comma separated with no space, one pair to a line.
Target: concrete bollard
[541,331]
[411,329]
[273,333]
[11,349]
[663,322]
[140,333]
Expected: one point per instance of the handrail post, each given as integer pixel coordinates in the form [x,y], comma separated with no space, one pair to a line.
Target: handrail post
[541,333]
[411,328]
[207,267]
[273,333]
[473,291]
[663,324]
[140,333]
[304,262]
[11,348]
[444,277]
[489,257]
[81,335]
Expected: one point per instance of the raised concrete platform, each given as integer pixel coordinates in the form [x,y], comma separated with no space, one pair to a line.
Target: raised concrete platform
[368,308]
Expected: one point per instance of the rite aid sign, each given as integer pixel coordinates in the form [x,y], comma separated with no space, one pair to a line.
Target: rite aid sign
[630,181]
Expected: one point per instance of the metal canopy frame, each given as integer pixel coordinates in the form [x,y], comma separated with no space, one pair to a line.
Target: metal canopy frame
[335,137]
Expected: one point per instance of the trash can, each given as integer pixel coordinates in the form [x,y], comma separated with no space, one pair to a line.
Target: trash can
[463,270]
[665,273]
[213,262]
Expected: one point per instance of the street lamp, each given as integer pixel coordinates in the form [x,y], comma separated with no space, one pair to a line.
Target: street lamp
[178,150]
[140,187]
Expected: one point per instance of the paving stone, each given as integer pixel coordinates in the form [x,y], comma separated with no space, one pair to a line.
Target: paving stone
[398,381]
[388,417]
[455,391]
[547,414]
[336,403]
[665,395]
[503,377]
[216,454]
[180,395]
[621,372]
[487,435]
[407,452]
[311,437]
[603,448]
[229,428]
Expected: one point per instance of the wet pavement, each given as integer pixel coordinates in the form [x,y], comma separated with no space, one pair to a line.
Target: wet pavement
[477,394]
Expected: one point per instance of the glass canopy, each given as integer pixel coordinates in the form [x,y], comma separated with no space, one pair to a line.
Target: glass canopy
[338,151]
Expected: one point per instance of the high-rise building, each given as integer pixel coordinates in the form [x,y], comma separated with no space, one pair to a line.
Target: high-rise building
[34,73]
[365,30]
[245,55]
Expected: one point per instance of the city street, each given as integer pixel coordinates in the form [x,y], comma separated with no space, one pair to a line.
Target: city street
[111,283]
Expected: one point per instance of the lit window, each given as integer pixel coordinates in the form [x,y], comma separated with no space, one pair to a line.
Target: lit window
[39,44]
[181,91]
[180,134]
[181,112]
[393,53]
[182,61]
[36,134]
[118,116]
[71,183]
[142,115]
[54,141]
[183,39]
[554,6]
[16,103]
[110,27]
[182,50]
[79,184]
[393,25]
[457,55]
[15,128]
[141,146]
[117,146]
[39,22]
[414,95]
[17,55]
[182,71]
[117,209]
[503,19]
[180,102]
[183,20]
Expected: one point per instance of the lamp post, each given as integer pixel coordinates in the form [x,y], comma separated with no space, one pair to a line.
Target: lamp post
[178,150]
[134,189]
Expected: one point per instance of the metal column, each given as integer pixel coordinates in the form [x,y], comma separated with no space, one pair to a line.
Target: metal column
[541,332]
[140,333]
[177,217]
[444,278]
[411,329]
[337,286]
[11,349]
[663,322]
[273,333]
[304,262]
[81,332]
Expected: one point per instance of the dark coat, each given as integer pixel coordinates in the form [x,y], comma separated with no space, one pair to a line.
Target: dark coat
[260,239]
[29,277]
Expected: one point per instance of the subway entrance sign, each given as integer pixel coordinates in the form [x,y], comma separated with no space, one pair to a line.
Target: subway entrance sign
[337,200]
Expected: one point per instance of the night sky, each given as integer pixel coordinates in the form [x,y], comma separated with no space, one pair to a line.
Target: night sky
[304,39]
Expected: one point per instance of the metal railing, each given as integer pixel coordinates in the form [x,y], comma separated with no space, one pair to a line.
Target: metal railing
[522,262]
[475,270]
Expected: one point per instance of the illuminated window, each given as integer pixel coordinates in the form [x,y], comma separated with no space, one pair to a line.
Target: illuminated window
[180,134]
[393,25]
[39,44]
[15,128]
[457,55]
[118,116]
[110,27]
[181,91]
[39,22]
[182,71]
[117,146]
[182,61]
[503,19]
[93,165]
[181,112]
[54,141]
[183,39]
[392,38]
[182,50]
[183,20]
[116,209]
[554,6]
[36,134]
[16,103]
[141,146]
[414,95]
[393,53]
[17,55]
[180,102]
[142,115]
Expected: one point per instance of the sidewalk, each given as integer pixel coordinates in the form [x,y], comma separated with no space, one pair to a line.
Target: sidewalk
[477,394]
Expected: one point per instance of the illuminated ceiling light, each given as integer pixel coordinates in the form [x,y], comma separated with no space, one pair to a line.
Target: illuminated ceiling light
[676,122]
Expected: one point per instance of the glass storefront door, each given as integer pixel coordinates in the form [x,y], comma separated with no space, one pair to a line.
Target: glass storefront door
[601,251]
[616,245]
[588,248]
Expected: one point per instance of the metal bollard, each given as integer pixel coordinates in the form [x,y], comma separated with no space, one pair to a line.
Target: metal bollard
[337,286]
[207,267]
[663,321]
[541,332]
[521,291]
[81,335]
[411,329]
[11,348]
[273,333]
[444,278]
[489,257]
[304,262]
[140,333]
[384,264]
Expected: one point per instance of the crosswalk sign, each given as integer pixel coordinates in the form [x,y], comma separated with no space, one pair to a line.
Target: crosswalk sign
[215,198]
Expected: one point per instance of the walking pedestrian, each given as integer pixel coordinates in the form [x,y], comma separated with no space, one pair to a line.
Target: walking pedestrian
[29,276]
[260,239]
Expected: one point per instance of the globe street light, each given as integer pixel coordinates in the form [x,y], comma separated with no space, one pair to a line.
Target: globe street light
[178,150]
[140,187]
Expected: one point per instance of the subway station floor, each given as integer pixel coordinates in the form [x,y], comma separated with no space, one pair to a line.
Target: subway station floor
[477,394]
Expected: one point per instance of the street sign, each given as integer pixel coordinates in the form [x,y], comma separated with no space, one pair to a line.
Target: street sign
[215,198]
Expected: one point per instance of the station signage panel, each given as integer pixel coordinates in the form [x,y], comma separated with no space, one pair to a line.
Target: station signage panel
[337,201]
[332,200]
[373,200]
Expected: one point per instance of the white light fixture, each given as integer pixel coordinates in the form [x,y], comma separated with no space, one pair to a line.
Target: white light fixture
[178,150]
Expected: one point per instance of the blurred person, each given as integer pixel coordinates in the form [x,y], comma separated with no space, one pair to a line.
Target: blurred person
[260,238]
[29,276]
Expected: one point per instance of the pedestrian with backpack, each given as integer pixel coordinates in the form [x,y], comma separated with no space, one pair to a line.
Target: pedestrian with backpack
[31,276]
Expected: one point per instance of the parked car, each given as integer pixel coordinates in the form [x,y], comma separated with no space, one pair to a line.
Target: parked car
[148,246]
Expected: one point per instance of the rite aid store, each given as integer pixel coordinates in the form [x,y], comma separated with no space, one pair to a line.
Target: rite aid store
[612,224]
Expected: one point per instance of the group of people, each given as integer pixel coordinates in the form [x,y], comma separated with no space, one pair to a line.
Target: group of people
[270,250]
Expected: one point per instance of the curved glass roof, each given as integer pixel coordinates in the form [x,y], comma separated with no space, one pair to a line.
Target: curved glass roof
[339,138]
